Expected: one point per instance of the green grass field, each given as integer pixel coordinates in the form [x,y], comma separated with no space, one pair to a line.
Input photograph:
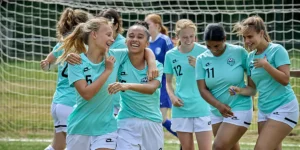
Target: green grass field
[25,99]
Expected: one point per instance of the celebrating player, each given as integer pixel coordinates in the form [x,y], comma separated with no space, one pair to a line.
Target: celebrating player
[190,112]
[268,67]
[64,96]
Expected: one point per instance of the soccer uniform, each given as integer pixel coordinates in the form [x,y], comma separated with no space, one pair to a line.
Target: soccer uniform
[275,101]
[139,119]
[64,96]
[160,46]
[92,124]
[118,43]
[193,116]
[219,74]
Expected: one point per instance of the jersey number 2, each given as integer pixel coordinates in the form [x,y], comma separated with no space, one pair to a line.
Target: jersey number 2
[178,70]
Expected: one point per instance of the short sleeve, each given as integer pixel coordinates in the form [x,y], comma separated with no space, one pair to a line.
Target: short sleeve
[120,55]
[167,65]
[199,71]
[281,57]
[160,69]
[75,73]
[56,53]
[244,56]
[169,44]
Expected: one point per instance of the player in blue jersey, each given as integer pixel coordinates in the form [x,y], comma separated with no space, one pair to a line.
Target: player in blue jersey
[222,66]
[139,119]
[64,96]
[190,112]
[160,43]
[268,67]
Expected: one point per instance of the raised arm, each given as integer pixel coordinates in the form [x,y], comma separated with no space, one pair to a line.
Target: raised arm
[46,63]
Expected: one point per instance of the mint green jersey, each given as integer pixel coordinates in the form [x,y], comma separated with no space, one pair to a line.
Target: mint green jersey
[94,117]
[177,64]
[272,94]
[118,43]
[222,72]
[135,104]
[64,94]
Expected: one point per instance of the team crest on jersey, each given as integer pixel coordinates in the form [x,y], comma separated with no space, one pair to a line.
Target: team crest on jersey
[144,80]
[157,50]
[230,61]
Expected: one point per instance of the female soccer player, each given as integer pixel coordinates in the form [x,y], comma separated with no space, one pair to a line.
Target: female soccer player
[64,96]
[139,119]
[268,67]
[160,43]
[190,112]
[217,69]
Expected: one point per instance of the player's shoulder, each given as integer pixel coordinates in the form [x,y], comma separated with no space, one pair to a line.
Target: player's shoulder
[275,46]
[235,47]
[165,38]
[172,51]
[205,54]
[200,46]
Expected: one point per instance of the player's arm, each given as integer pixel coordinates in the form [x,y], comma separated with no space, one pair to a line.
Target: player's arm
[88,91]
[73,59]
[46,63]
[249,90]
[151,61]
[170,90]
[148,88]
[224,109]
[281,74]
[295,73]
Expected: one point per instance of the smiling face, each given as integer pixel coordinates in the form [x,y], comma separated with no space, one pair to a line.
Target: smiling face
[216,47]
[137,39]
[103,37]
[187,36]
[252,39]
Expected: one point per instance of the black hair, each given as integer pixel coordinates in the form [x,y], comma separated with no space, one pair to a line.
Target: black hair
[214,32]
[113,16]
[142,23]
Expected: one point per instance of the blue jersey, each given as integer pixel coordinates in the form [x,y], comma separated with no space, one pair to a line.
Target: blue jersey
[178,65]
[272,94]
[135,104]
[118,43]
[222,72]
[64,94]
[94,117]
[160,46]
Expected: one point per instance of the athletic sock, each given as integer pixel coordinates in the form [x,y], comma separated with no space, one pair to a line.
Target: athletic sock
[167,125]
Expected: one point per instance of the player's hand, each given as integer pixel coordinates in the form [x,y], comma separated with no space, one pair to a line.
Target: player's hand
[116,87]
[45,65]
[73,59]
[260,63]
[192,61]
[225,110]
[152,73]
[109,63]
[234,90]
[177,102]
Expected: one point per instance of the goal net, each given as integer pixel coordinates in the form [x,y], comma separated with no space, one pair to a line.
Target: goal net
[27,35]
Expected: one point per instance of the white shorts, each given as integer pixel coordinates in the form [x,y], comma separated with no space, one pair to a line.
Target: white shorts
[116,110]
[83,142]
[194,124]
[288,113]
[139,134]
[60,114]
[240,118]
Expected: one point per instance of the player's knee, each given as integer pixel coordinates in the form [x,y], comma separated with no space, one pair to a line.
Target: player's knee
[220,146]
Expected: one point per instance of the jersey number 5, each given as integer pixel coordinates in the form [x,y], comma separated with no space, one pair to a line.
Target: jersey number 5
[178,70]
[210,72]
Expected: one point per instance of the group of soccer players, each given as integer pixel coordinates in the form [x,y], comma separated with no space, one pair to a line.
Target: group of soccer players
[114,92]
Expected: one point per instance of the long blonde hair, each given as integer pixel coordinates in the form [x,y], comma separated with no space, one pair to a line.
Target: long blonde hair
[69,19]
[183,24]
[254,22]
[74,43]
